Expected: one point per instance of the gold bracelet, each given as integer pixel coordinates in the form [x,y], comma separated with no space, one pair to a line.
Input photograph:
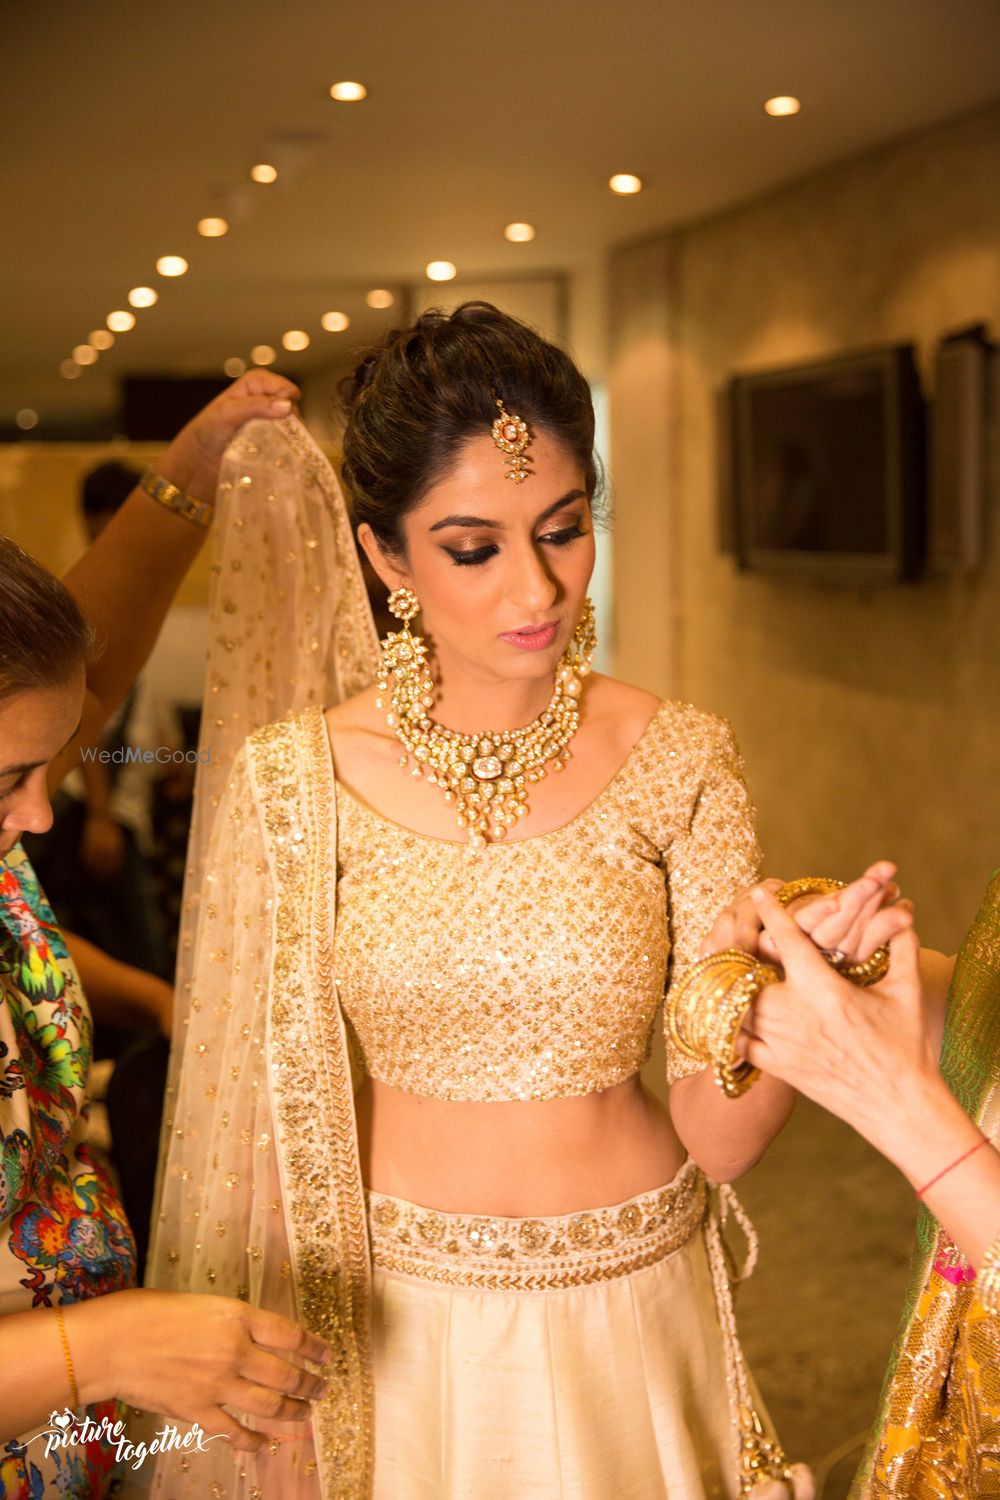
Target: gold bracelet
[200,512]
[68,1357]
[988,1279]
[705,1011]
[862,974]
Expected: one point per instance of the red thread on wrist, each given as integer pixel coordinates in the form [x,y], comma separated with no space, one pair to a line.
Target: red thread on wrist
[984,1141]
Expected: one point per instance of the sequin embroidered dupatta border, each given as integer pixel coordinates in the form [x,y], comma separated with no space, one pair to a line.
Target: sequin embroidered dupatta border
[312,1094]
[918,1451]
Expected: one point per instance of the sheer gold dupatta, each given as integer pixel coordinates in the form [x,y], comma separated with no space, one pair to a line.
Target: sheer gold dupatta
[260,1189]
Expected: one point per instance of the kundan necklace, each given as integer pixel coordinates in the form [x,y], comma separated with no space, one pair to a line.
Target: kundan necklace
[486,774]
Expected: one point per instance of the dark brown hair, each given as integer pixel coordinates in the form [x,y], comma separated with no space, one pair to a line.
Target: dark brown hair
[424,391]
[44,634]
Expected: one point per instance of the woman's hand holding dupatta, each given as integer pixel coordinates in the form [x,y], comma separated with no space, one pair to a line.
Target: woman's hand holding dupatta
[188,1356]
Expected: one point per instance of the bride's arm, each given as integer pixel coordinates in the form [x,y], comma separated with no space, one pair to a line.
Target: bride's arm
[716,857]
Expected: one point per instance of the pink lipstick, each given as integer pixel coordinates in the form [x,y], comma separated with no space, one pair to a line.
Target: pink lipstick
[533,638]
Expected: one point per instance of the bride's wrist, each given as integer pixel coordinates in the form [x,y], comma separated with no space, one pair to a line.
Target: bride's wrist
[923,1129]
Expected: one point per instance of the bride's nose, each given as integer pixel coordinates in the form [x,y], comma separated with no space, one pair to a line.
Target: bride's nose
[532,588]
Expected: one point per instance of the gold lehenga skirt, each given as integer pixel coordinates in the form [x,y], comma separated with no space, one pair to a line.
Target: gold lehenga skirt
[577,1357]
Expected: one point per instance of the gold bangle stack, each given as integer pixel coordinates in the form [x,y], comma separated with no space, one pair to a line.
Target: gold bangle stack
[706,1009]
[199,512]
[988,1279]
[863,974]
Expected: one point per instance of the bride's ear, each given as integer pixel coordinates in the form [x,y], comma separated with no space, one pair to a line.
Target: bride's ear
[391,574]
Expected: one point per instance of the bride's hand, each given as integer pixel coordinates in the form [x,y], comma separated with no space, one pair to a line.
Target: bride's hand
[854,921]
[192,459]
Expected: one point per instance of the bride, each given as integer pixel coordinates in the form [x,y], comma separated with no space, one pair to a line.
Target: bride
[422,970]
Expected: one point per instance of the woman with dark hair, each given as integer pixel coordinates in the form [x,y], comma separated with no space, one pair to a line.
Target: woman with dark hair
[77,1339]
[512,1247]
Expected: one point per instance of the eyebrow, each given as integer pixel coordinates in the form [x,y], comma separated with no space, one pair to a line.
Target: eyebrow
[549,510]
[33,765]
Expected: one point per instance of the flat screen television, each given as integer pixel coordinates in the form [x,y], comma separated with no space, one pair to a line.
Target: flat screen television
[828,468]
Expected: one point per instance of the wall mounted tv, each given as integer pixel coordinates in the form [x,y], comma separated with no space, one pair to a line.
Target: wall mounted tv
[828,468]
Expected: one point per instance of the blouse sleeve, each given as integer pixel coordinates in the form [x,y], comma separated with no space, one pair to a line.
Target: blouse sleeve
[713,857]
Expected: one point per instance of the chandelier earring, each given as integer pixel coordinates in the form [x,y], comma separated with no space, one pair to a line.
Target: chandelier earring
[403,659]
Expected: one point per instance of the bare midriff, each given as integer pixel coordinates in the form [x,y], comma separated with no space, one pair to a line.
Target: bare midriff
[516,1159]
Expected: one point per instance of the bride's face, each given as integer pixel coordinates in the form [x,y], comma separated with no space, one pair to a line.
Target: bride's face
[500,568]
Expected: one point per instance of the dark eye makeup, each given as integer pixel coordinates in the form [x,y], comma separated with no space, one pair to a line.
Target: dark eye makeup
[474,557]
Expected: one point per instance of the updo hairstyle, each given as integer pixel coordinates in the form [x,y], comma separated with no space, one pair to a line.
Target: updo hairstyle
[420,395]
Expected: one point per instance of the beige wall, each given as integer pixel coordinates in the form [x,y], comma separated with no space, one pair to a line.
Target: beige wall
[870,719]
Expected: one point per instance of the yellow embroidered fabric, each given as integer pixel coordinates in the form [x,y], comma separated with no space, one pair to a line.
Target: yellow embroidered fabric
[535,969]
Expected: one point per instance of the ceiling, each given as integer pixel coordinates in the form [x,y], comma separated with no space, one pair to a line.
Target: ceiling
[123,123]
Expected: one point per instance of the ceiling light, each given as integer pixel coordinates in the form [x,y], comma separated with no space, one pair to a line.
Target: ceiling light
[70,370]
[380,297]
[26,419]
[519,234]
[121,321]
[782,104]
[264,172]
[348,93]
[171,265]
[213,228]
[84,355]
[624,183]
[263,354]
[335,322]
[295,339]
[100,339]
[234,367]
[440,270]
[143,296]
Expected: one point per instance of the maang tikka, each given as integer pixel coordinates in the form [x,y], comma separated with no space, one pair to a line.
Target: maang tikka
[512,437]
[486,774]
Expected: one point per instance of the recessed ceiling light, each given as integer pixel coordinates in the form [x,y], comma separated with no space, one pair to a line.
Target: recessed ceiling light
[440,270]
[782,104]
[100,339]
[143,296]
[380,297]
[234,367]
[335,322]
[263,354]
[519,234]
[625,183]
[70,370]
[264,172]
[295,339]
[347,92]
[85,355]
[121,321]
[213,228]
[26,419]
[171,265]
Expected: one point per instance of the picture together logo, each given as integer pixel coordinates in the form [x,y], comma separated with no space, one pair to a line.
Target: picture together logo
[65,1430]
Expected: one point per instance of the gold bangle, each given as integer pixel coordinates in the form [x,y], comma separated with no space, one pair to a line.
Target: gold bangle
[808,885]
[68,1357]
[705,1011]
[862,974]
[988,1279]
[199,512]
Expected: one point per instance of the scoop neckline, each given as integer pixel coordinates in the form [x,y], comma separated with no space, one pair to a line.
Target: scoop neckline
[341,787]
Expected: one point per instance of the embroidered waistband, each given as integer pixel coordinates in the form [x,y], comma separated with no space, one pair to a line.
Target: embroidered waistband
[539,1254]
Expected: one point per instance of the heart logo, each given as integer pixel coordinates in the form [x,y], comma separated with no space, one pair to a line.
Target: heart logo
[63,1420]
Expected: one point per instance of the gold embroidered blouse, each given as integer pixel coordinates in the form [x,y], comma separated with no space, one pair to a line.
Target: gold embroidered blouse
[535,969]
